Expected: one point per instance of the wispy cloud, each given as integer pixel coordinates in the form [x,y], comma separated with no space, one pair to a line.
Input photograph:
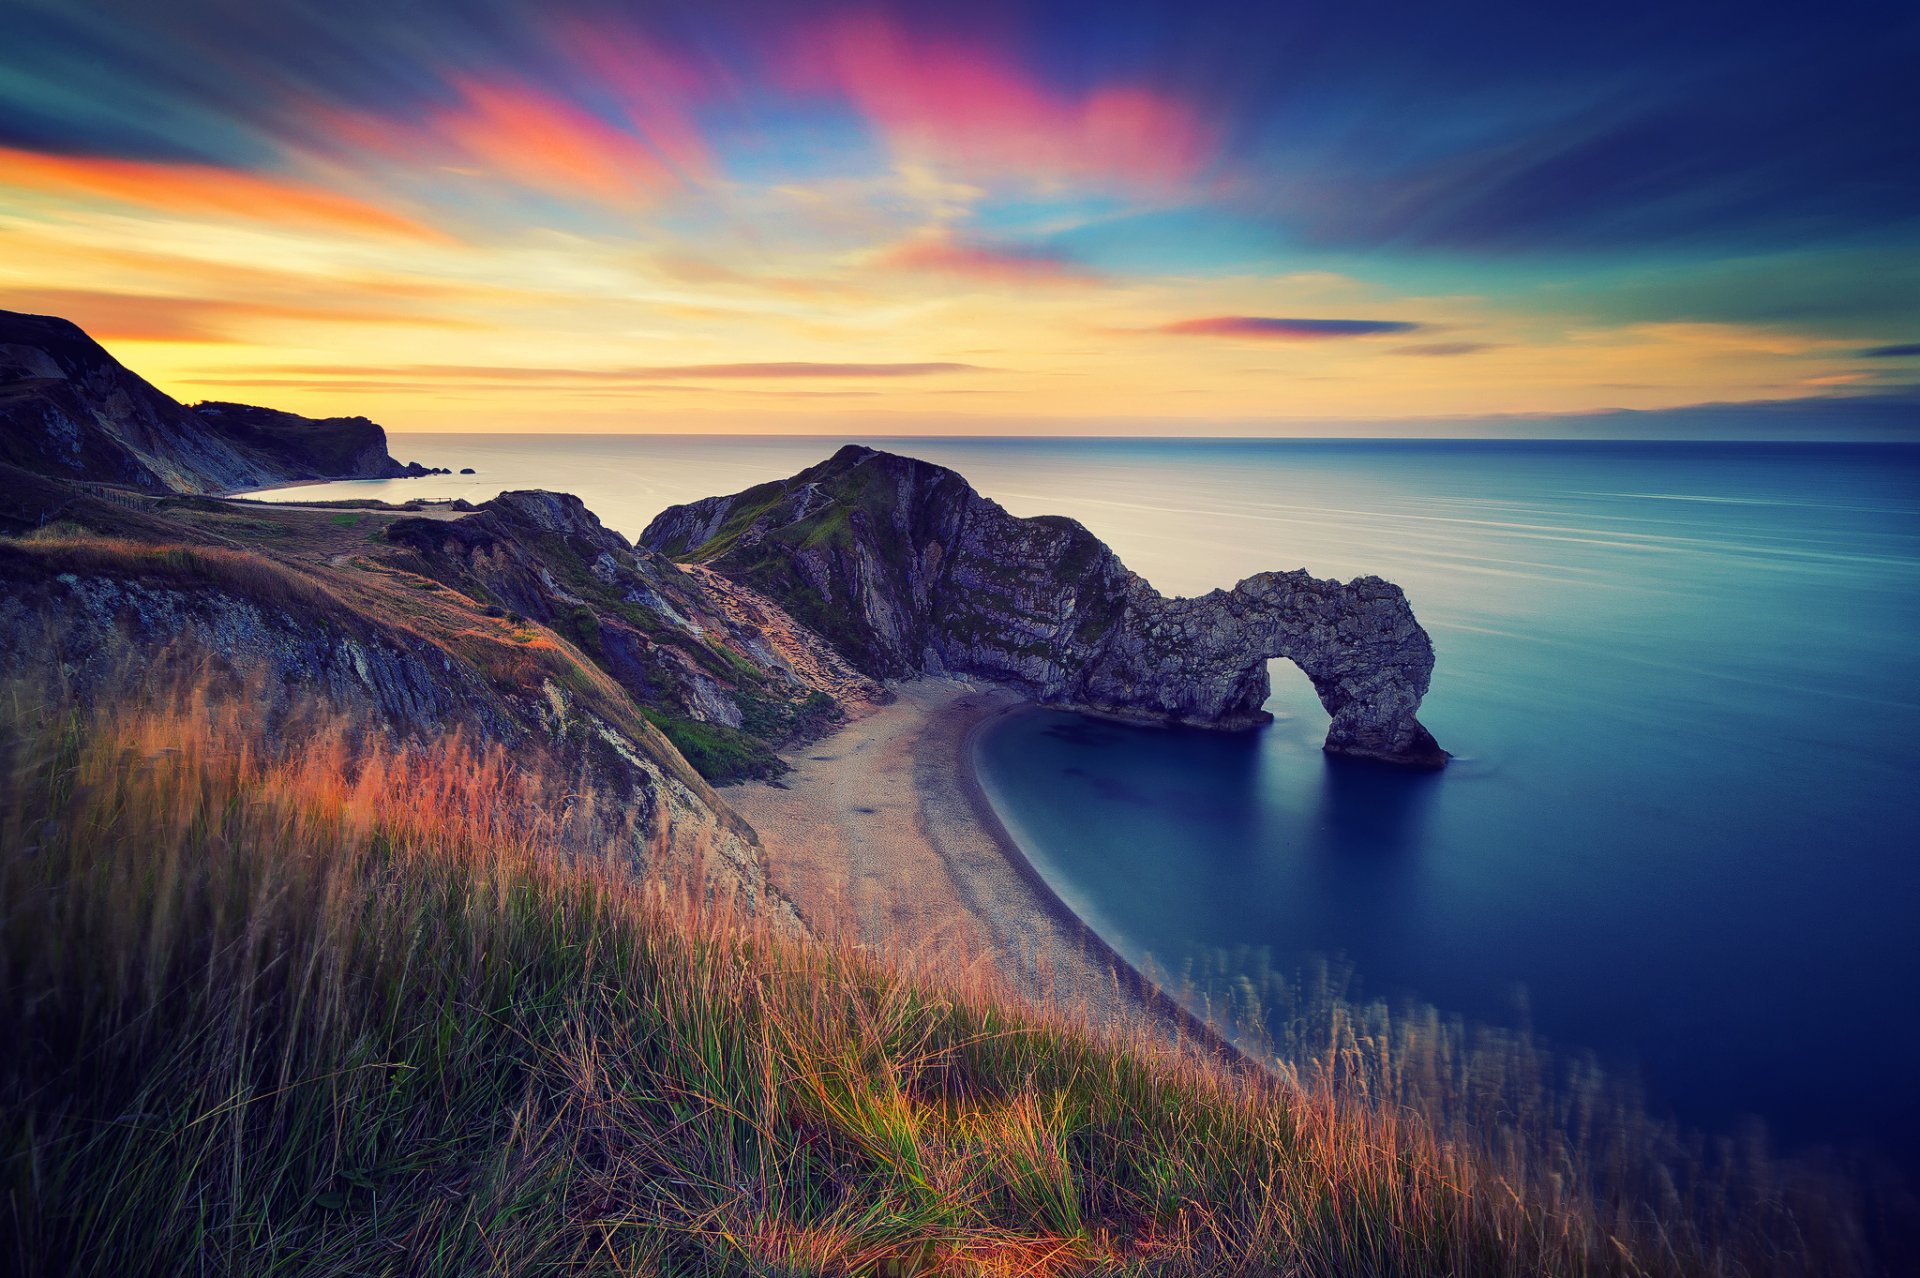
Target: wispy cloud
[968,105]
[801,369]
[1899,350]
[202,190]
[507,130]
[136,317]
[1276,329]
[1445,349]
[944,253]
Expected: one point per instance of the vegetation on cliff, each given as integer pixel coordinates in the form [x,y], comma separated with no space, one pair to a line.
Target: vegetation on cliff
[522,592]
[326,1010]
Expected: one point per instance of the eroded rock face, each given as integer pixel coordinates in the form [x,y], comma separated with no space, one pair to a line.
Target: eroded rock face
[905,568]
[691,647]
[97,632]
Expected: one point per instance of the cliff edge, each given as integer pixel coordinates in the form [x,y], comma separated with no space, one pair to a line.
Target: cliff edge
[906,569]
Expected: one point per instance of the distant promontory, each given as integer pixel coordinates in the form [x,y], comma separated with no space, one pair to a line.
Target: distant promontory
[70,410]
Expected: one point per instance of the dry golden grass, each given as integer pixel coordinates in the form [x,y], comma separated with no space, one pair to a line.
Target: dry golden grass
[349,1007]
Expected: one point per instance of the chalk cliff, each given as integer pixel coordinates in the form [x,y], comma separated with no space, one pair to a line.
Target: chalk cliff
[905,568]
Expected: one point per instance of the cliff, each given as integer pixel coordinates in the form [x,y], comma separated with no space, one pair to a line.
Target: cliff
[286,610]
[69,409]
[905,568]
[727,675]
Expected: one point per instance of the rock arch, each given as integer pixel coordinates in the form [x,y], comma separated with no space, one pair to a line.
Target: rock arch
[905,568]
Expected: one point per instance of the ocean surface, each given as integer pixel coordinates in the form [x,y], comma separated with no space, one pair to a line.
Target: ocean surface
[1680,680]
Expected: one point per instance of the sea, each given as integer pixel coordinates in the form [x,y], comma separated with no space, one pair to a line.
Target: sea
[1681,682]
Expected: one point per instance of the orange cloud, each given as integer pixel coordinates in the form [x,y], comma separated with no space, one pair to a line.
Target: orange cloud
[201,190]
[783,369]
[142,317]
[973,108]
[522,134]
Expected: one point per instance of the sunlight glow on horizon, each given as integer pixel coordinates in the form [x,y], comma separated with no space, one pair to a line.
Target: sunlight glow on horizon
[845,216]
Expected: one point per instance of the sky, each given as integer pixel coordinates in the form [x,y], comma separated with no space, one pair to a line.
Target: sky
[1121,217]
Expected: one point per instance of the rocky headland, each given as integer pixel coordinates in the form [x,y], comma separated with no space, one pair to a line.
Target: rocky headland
[906,569]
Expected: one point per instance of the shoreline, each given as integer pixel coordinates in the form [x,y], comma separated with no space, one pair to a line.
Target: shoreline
[884,831]
[1152,996]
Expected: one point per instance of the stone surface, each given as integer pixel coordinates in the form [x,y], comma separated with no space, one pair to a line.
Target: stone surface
[906,569]
[689,646]
[69,409]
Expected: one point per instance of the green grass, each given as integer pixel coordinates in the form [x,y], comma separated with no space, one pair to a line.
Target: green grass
[379,1011]
[717,752]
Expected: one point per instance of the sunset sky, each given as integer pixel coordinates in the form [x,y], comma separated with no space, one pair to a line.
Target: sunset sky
[1271,218]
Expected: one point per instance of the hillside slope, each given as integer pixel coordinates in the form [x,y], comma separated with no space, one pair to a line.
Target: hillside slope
[300,1009]
[281,608]
[727,674]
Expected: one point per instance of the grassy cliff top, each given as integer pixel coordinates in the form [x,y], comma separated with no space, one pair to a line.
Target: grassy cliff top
[325,1012]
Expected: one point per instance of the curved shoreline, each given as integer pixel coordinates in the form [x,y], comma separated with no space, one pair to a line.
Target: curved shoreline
[883,833]
[1155,1000]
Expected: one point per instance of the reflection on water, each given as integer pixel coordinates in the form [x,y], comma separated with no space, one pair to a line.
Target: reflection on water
[1371,809]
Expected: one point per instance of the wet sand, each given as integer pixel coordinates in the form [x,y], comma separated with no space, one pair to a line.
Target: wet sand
[881,833]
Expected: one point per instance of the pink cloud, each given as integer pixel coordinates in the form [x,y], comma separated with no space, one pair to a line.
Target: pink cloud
[943,253]
[653,87]
[975,109]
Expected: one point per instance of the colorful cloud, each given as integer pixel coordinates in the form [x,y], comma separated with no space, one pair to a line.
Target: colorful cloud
[200,190]
[1271,329]
[500,213]
[141,317]
[944,253]
[966,105]
[513,132]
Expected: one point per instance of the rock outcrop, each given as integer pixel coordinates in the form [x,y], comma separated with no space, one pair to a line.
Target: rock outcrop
[156,605]
[905,568]
[70,410]
[728,675]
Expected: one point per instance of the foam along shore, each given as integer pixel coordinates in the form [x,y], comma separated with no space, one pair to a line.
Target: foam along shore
[881,832]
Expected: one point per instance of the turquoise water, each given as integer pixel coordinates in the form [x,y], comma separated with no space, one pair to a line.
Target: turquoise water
[1681,681]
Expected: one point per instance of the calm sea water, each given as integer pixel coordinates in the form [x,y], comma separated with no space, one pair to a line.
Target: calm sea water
[1681,682]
